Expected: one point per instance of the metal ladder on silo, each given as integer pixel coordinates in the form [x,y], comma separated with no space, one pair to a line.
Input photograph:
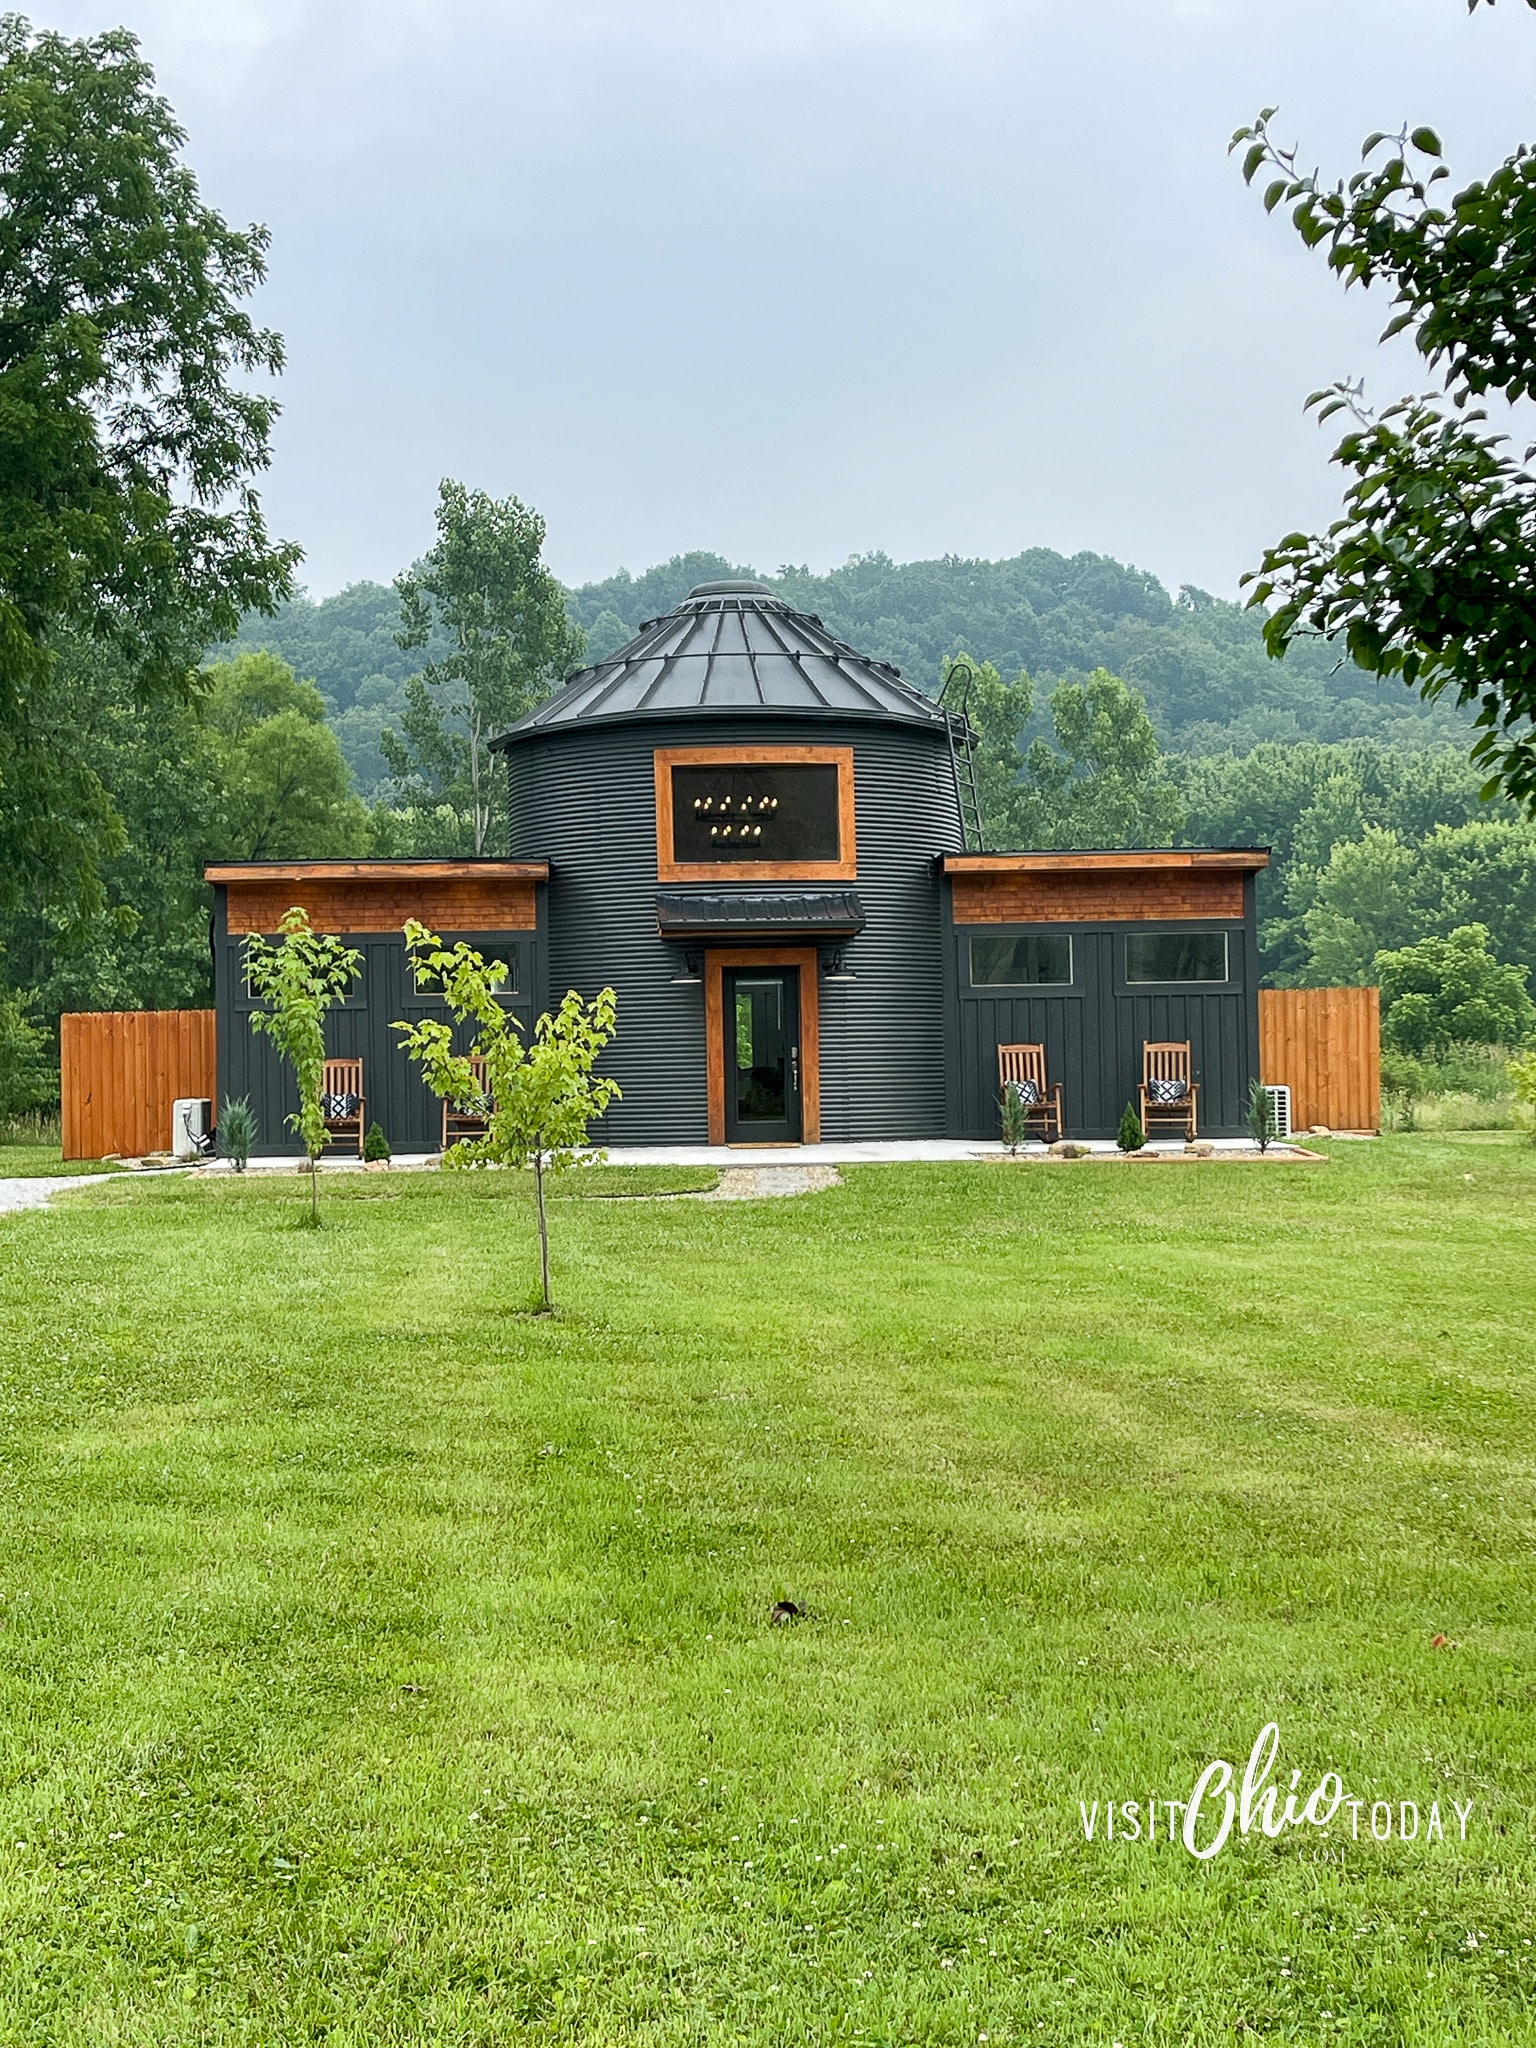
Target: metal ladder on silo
[954,701]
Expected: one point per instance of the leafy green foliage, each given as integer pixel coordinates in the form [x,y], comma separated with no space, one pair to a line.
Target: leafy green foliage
[1452,991]
[538,1099]
[29,1077]
[129,430]
[1102,784]
[1522,1074]
[376,1145]
[1426,575]
[300,979]
[482,586]
[285,789]
[1131,1136]
[237,1130]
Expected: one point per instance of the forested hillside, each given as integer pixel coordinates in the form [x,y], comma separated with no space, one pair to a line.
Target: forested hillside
[1198,661]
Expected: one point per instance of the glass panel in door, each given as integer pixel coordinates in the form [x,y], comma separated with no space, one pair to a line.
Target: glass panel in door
[762,1055]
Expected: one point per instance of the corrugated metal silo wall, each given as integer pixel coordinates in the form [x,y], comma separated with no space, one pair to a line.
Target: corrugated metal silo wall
[585,801]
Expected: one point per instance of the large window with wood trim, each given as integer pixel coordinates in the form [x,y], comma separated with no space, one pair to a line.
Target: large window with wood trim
[762,813]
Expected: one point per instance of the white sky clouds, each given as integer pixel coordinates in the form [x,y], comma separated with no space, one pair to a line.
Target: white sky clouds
[796,278]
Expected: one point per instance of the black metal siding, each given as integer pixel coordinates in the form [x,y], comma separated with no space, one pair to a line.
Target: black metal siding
[1093,1031]
[361,1027]
[584,799]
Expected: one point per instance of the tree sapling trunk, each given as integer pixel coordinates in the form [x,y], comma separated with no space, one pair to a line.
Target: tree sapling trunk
[538,1193]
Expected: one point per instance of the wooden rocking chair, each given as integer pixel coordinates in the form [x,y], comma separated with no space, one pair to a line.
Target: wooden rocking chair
[343,1080]
[1168,1061]
[462,1120]
[1025,1064]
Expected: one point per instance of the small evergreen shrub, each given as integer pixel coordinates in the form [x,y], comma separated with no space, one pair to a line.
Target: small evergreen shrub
[1130,1137]
[237,1130]
[375,1145]
[1261,1115]
[1015,1117]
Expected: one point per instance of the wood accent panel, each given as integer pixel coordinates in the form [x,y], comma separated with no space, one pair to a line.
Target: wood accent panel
[1096,896]
[1325,1045]
[844,869]
[1245,859]
[382,903]
[120,1071]
[716,960]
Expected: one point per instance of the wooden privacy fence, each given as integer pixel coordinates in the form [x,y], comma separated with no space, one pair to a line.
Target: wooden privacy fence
[120,1071]
[1325,1045]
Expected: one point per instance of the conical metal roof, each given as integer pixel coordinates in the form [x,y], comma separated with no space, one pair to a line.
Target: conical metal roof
[731,647]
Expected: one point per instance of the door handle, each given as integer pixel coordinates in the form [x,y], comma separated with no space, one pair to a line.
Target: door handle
[794,1068]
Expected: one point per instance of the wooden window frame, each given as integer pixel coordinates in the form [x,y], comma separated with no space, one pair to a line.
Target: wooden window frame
[844,869]
[716,960]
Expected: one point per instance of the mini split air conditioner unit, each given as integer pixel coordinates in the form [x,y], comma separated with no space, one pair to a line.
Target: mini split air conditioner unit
[191,1127]
[1280,1107]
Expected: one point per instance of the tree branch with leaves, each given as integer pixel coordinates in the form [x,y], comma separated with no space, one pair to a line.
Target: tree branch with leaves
[536,1100]
[300,978]
[1427,575]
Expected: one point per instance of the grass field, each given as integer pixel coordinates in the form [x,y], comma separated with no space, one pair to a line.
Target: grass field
[381,1664]
[32,1159]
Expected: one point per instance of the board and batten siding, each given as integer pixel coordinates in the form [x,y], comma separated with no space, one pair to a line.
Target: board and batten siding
[1094,1030]
[584,798]
[501,916]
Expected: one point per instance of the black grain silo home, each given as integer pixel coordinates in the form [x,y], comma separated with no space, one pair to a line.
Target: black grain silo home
[755,835]
[743,820]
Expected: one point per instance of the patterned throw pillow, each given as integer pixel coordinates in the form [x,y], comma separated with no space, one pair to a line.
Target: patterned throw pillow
[1165,1091]
[337,1108]
[1028,1092]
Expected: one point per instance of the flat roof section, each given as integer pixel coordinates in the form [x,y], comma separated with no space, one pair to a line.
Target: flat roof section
[377,870]
[1242,859]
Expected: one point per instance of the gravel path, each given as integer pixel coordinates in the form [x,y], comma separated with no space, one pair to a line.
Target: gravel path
[35,1194]
[752,1183]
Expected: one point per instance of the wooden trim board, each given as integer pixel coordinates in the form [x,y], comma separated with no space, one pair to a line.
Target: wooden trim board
[844,869]
[716,960]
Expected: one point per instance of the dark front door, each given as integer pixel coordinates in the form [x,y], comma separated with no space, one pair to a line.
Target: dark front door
[762,1055]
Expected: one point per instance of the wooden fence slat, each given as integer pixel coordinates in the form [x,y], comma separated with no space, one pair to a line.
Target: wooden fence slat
[120,1071]
[1325,1045]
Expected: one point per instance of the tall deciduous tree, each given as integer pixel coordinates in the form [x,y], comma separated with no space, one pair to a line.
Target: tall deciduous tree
[484,585]
[1103,783]
[130,433]
[1428,574]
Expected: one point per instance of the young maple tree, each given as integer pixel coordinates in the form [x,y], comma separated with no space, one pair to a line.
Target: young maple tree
[536,1099]
[299,978]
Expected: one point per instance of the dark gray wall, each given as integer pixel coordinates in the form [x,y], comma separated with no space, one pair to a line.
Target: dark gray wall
[585,801]
[1094,1030]
[361,1027]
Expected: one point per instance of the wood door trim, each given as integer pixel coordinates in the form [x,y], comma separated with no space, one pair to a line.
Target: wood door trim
[716,960]
[843,869]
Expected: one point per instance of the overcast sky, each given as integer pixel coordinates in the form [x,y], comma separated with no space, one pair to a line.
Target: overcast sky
[796,279]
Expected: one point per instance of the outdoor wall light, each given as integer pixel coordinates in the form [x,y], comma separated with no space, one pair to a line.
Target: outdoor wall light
[837,968]
[693,971]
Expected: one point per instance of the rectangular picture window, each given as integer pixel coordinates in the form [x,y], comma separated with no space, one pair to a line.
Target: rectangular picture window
[1176,956]
[1023,960]
[741,812]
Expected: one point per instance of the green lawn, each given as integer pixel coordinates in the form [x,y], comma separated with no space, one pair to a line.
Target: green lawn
[380,1664]
[24,1159]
